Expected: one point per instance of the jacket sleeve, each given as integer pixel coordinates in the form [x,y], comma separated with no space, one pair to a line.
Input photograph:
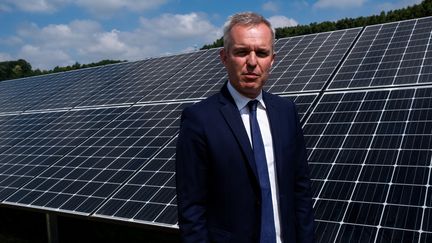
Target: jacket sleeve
[191,178]
[303,196]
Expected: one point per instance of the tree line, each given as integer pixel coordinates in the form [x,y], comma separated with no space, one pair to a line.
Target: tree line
[422,9]
[21,68]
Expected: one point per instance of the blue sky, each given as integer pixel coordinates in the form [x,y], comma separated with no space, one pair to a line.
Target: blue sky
[49,33]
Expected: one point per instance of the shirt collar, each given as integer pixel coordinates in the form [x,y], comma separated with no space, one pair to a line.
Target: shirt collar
[241,100]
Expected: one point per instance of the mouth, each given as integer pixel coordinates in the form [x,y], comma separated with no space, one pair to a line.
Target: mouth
[251,75]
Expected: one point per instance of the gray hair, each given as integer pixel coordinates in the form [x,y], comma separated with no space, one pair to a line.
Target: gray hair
[248,19]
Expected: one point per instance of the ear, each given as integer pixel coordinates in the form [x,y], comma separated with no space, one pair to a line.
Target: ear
[223,56]
[273,58]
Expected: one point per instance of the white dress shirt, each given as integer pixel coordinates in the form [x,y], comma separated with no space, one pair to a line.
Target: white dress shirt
[241,102]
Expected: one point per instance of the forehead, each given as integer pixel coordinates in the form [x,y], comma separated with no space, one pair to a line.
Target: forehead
[251,34]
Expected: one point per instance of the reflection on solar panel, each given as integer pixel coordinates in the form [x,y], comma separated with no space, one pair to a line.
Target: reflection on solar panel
[392,54]
[305,63]
[44,93]
[370,156]
[100,142]
[201,78]
[131,85]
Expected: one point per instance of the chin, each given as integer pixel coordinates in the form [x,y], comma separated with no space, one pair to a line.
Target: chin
[250,88]
[251,92]
[253,85]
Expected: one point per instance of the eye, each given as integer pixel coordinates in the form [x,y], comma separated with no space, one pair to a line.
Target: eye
[241,53]
[262,54]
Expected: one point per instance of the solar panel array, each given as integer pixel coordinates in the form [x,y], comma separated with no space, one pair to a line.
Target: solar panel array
[393,54]
[100,142]
[305,63]
[370,156]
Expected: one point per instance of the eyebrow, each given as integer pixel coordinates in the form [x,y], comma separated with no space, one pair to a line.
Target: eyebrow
[244,47]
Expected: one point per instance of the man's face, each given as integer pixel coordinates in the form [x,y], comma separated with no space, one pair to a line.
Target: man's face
[248,58]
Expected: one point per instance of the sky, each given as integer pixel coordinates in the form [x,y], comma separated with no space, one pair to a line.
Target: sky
[49,33]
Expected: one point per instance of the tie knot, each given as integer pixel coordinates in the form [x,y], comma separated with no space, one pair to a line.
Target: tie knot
[253,105]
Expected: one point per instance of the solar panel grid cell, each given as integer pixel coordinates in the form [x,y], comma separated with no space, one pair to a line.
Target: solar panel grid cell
[92,169]
[305,63]
[202,77]
[76,86]
[379,191]
[150,195]
[117,91]
[139,79]
[388,55]
[303,102]
[11,89]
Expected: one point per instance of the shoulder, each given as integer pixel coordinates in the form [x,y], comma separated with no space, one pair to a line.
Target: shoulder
[205,105]
[276,100]
[196,119]
[202,110]
[282,109]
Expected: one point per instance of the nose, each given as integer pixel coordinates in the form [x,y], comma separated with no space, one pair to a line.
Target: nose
[251,60]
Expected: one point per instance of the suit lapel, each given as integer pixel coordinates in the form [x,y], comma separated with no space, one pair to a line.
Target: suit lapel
[232,116]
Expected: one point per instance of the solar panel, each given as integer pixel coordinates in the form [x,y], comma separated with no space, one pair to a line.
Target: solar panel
[305,63]
[84,155]
[123,83]
[54,91]
[100,142]
[202,77]
[392,54]
[149,196]
[10,91]
[139,79]
[370,157]
[14,170]
[303,102]
[81,84]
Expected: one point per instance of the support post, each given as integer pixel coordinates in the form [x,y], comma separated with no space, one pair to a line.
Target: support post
[52,228]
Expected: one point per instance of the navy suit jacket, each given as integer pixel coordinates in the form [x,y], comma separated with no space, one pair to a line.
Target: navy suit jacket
[218,191]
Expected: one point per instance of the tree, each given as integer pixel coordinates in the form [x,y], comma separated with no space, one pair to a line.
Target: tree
[15,69]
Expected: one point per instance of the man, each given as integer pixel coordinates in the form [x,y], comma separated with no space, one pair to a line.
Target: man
[242,174]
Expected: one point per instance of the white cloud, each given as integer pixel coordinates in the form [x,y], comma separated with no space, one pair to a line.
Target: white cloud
[111,45]
[11,41]
[341,4]
[61,35]
[282,21]
[82,40]
[86,41]
[44,58]
[178,26]
[41,6]
[270,6]
[386,6]
[104,7]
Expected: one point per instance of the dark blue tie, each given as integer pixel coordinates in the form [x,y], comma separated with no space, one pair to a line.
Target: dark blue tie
[268,233]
